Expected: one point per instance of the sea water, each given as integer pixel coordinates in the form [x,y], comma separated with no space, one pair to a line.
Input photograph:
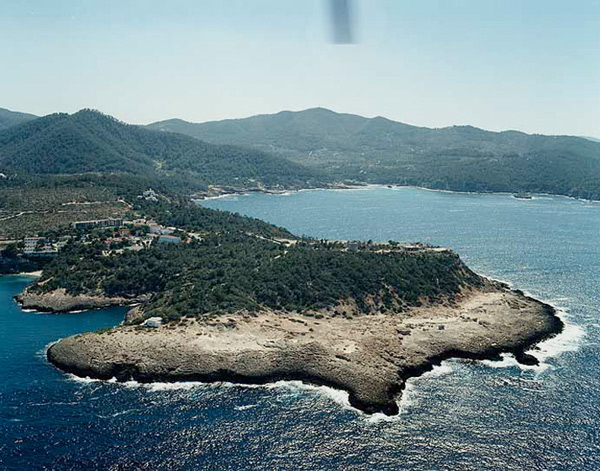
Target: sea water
[461,415]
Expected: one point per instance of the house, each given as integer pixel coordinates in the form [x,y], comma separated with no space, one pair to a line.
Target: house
[158,229]
[153,322]
[413,247]
[354,246]
[149,195]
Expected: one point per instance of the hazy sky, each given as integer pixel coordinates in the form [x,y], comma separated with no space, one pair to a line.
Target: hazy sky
[510,64]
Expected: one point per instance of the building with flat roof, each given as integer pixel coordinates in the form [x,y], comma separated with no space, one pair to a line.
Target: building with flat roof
[110,222]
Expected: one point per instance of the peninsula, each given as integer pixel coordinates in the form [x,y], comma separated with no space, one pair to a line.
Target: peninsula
[370,356]
[231,298]
[217,296]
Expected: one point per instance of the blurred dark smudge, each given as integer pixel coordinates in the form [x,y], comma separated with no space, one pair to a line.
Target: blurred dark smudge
[341,21]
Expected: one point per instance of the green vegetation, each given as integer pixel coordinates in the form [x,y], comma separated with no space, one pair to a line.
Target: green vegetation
[34,205]
[178,212]
[377,150]
[236,263]
[89,141]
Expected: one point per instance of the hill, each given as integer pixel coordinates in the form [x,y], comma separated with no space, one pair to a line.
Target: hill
[378,150]
[89,141]
[10,118]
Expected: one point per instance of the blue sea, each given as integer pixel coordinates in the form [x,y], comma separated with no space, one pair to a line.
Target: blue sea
[463,415]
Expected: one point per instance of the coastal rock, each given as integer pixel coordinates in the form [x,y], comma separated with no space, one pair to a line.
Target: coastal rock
[61,301]
[370,356]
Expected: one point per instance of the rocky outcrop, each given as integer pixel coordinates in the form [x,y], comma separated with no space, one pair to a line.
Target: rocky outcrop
[61,301]
[369,356]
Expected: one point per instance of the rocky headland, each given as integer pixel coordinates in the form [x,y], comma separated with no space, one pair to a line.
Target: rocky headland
[369,356]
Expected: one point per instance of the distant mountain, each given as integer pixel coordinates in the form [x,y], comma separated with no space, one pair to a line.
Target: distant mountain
[378,150]
[590,138]
[89,141]
[12,118]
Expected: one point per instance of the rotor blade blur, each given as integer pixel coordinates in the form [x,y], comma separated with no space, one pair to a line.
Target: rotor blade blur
[341,21]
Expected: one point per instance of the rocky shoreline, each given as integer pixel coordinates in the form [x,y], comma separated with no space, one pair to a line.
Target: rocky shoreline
[369,356]
[60,301]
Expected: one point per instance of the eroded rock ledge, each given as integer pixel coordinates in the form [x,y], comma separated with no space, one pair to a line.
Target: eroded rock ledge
[371,356]
[60,301]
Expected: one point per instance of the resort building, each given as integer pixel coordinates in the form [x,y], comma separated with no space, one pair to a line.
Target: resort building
[97,223]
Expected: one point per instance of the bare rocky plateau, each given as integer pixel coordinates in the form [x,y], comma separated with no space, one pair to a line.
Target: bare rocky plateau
[369,356]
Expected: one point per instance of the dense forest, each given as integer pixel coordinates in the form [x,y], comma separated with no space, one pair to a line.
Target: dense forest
[312,148]
[90,142]
[240,263]
[379,150]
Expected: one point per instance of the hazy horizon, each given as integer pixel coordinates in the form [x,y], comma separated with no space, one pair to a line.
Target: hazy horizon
[527,66]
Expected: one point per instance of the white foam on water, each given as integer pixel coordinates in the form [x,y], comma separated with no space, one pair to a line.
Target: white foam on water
[509,361]
[569,340]
[81,380]
[179,386]
[340,397]
[294,387]
[408,398]
[42,353]
[249,406]
[117,414]
[410,395]
[439,370]
[298,387]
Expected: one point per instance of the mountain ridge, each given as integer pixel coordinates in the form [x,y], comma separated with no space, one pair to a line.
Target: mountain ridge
[379,150]
[90,141]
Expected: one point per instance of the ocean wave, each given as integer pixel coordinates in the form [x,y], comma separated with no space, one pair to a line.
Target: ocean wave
[84,380]
[117,414]
[408,398]
[158,387]
[439,370]
[43,352]
[509,361]
[569,340]
[288,388]
[246,407]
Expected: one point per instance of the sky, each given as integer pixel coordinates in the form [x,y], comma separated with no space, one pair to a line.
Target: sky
[531,65]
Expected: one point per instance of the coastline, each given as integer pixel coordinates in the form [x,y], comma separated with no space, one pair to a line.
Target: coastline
[367,186]
[30,274]
[58,301]
[25,274]
[370,357]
